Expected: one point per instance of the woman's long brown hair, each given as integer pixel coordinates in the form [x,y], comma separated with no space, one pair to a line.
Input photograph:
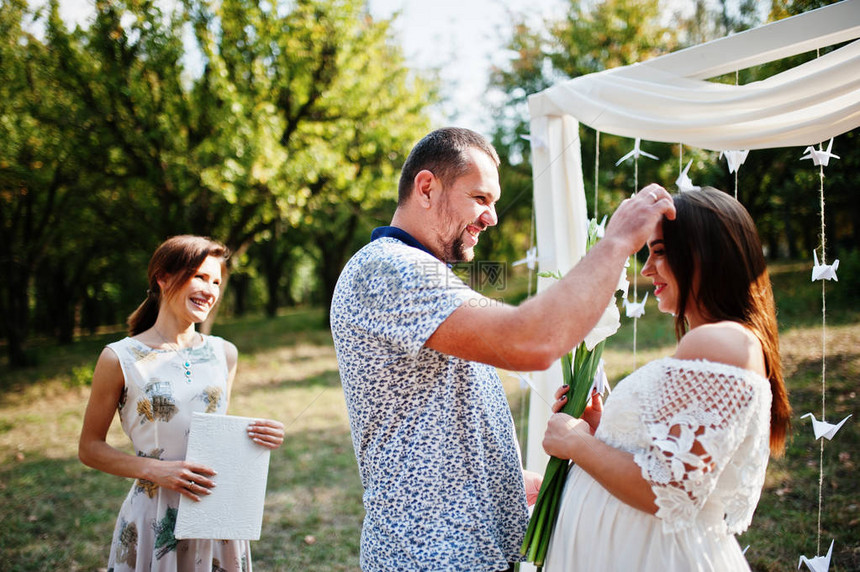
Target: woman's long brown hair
[178,258]
[714,237]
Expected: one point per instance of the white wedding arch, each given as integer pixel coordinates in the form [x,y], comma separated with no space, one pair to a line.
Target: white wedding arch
[669,99]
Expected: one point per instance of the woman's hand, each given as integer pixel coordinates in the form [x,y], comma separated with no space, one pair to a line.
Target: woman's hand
[533,482]
[560,398]
[267,432]
[188,479]
[593,410]
[564,434]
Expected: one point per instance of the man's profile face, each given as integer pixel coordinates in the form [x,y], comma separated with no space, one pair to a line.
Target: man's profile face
[468,208]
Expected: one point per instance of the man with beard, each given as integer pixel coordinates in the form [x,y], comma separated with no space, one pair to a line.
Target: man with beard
[417,349]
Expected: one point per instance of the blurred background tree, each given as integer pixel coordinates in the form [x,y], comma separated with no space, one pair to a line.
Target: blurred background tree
[287,142]
[280,129]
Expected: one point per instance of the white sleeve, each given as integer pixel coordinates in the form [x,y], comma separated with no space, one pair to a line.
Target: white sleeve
[695,420]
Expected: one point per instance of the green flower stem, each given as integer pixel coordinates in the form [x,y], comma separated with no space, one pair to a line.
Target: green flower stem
[578,369]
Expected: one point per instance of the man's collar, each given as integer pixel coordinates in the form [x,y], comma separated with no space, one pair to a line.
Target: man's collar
[399,234]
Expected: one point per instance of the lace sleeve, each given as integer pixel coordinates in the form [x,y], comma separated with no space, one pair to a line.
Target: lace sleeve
[696,415]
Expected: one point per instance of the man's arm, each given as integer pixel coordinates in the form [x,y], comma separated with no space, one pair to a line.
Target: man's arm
[536,333]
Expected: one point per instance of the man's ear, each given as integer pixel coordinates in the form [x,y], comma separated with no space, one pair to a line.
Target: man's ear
[424,188]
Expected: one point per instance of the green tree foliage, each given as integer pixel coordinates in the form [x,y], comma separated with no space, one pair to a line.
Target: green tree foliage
[48,167]
[21,170]
[247,121]
[589,38]
[340,106]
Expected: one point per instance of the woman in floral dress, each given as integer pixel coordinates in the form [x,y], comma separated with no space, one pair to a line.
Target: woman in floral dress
[156,378]
[673,466]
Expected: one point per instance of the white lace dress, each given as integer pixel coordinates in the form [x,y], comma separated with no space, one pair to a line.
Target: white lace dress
[659,413]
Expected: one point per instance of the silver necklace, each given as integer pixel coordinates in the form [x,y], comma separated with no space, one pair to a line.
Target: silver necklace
[183,353]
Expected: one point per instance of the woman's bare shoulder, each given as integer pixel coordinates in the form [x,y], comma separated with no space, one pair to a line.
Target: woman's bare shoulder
[231,353]
[723,342]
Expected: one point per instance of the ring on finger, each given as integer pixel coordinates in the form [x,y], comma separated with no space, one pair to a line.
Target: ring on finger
[654,195]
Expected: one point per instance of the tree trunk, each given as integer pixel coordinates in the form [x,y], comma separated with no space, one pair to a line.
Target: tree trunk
[15,350]
[334,253]
[272,287]
[90,316]
[272,262]
[240,294]
[15,317]
[790,238]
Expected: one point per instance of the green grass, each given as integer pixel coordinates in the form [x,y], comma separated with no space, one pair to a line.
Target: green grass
[59,515]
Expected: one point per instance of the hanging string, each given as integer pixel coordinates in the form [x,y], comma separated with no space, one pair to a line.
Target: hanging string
[525,390]
[823,349]
[532,240]
[596,168]
[737,77]
[635,270]
[823,355]
[736,183]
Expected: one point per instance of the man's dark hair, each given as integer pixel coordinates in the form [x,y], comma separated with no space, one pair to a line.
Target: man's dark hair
[443,153]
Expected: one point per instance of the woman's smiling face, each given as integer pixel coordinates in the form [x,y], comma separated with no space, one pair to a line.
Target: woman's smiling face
[666,288]
[657,269]
[194,300]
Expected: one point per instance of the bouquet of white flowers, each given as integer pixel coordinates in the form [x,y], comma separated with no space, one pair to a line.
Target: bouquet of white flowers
[578,368]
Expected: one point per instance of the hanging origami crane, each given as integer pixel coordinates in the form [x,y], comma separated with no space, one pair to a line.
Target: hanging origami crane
[685,184]
[530,260]
[735,159]
[635,153]
[823,428]
[623,284]
[824,271]
[601,228]
[600,383]
[536,142]
[820,156]
[635,309]
[817,563]
[525,380]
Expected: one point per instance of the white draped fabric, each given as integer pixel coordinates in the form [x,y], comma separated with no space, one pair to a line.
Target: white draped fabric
[668,99]
[561,242]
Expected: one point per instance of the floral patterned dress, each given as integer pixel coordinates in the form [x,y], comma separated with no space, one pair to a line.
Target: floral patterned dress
[162,389]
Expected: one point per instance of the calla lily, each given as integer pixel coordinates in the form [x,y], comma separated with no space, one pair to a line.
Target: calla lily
[580,368]
[606,326]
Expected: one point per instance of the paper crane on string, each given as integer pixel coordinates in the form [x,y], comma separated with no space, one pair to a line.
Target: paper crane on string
[635,153]
[600,383]
[824,271]
[735,159]
[817,563]
[530,260]
[823,428]
[820,156]
[685,184]
[635,309]
[600,229]
[525,380]
[536,142]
